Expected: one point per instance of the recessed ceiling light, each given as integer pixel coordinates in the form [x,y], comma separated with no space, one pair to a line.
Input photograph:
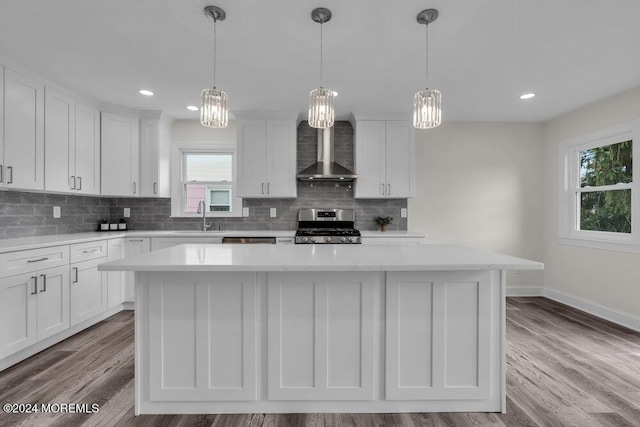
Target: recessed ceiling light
[145,92]
[192,108]
[527,95]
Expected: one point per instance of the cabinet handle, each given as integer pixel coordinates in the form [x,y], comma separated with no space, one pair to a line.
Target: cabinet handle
[155,188]
[90,251]
[0,173]
[389,191]
[75,280]
[73,179]
[268,188]
[134,187]
[136,240]
[37,260]
[10,169]
[79,183]
[35,285]
[263,188]
[383,188]
[44,282]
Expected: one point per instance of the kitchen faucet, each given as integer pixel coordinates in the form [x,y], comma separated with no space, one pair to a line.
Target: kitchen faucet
[203,211]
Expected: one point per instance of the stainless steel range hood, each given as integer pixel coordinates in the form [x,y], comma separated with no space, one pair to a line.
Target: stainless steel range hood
[325,169]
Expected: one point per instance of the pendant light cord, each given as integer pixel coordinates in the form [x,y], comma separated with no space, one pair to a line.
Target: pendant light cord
[427,55]
[321,54]
[214,52]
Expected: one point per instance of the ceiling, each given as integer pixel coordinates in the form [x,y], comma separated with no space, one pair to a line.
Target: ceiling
[483,53]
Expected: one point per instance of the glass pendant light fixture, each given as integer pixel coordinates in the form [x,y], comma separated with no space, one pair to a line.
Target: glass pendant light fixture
[321,113]
[215,111]
[427,104]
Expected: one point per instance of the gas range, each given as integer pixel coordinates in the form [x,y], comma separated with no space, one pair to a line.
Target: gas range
[327,226]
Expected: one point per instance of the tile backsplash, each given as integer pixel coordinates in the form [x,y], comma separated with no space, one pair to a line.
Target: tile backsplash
[25,214]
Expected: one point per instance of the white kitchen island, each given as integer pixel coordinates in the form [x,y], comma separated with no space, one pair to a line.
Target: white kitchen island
[319,328]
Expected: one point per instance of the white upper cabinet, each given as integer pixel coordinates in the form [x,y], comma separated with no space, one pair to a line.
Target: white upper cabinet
[72,145]
[59,142]
[155,149]
[385,159]
[23,145]
[120,155]
[87,154]
[267,158]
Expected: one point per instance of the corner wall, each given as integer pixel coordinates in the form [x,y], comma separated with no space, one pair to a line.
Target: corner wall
[479,184]
[606,278]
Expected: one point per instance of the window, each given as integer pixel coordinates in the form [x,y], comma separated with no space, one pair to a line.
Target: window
[599,197]
[204,173]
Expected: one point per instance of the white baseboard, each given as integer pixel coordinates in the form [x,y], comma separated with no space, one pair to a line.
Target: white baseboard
[611,314]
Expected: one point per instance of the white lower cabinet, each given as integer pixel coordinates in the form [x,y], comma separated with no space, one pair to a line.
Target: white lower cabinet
[442,349]
[33,306]
[115,279]
[88,290]
[203,338]
[320,334]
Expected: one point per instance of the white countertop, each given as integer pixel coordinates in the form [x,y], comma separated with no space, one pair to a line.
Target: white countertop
[392,257]
[25,243]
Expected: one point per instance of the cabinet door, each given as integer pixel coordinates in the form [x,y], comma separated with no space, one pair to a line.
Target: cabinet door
[320,334]
[88,293]
[401,159]
[18,304]
[115,279]
[203,336]
[23,132]
[133,247]
[370,159]
[149,157]
[59,142]
[2,165]
[252,154]
[53,301]
[281,158]
[120,155]
[438,335]
[87,149]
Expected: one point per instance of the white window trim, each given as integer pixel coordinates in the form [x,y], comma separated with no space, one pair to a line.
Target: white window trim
[568,173]
[176,174]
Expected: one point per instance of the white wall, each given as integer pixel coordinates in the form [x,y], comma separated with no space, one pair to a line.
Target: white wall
[611,279]
[193,131]
[479,184]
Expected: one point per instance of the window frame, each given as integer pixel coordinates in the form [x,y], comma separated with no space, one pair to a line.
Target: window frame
[178,151]
[569,190]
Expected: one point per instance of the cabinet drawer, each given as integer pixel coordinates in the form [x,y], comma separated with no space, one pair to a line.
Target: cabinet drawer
[87,251]
[20,262]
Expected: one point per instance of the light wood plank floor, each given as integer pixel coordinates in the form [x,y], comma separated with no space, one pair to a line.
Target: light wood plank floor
[564,367]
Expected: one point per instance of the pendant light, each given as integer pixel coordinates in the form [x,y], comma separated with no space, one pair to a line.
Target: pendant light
[427,104]
[215,111]
[321,113]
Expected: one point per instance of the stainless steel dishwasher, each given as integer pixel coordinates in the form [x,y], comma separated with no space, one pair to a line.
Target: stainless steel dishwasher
[249,240]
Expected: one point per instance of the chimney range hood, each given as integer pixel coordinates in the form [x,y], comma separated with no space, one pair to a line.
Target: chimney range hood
[325,169]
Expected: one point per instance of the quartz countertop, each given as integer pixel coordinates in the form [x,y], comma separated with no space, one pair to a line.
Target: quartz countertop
[25,243]
[392,257]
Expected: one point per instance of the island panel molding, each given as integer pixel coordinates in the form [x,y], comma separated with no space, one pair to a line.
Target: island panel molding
[202,332]
[320,334]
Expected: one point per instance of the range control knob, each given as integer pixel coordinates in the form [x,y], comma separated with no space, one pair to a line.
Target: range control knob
[351,239]
[343,239]
[313,239]
[305,239]
[327,239]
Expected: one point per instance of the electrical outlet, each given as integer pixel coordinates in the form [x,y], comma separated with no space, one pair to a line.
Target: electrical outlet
[245,212]
[272,212]
[127,212]
[56,211]
[403,212]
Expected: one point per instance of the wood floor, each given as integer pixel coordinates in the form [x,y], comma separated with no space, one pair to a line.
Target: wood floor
[564,368]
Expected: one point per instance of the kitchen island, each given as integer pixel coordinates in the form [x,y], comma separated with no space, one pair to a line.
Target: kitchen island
[319,328]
